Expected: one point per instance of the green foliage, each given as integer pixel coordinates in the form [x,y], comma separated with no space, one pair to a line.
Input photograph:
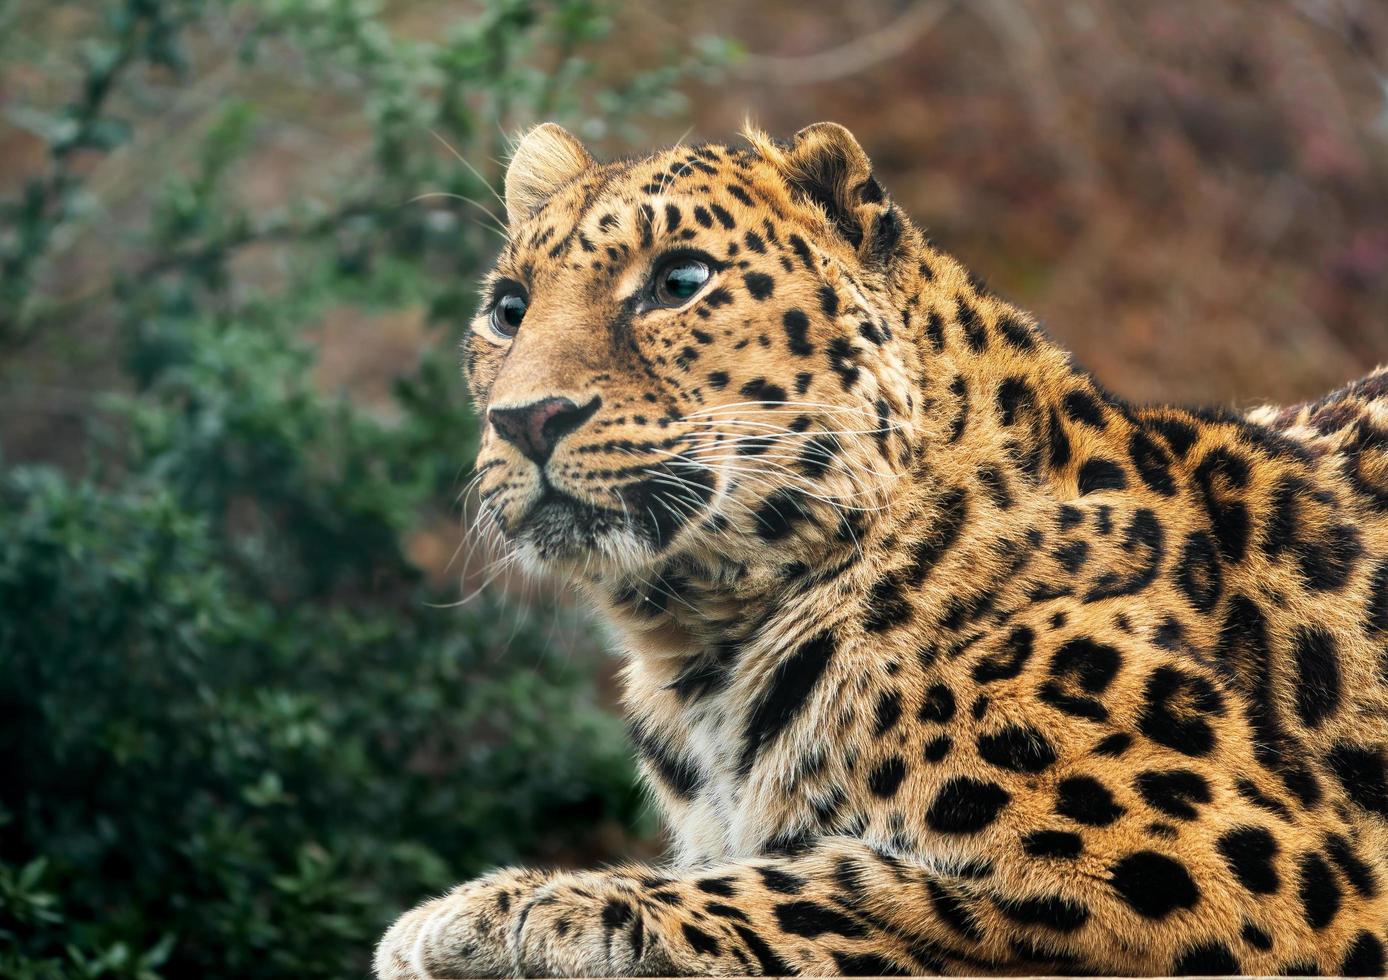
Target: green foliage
[250,784]
[239,731]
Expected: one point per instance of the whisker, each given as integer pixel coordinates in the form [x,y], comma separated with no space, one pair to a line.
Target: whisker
[495,571]
[781,405]
[496,226]
[676,482]
[789,432]
[774,461]
[838,503]
[475,172]
[762,521]
[702,462]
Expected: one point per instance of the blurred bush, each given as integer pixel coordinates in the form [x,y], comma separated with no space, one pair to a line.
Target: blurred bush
[236,733]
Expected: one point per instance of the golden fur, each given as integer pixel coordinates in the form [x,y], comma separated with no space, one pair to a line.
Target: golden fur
[938,658]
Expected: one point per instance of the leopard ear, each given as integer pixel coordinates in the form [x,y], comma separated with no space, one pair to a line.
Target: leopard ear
[546,159]
[825,164]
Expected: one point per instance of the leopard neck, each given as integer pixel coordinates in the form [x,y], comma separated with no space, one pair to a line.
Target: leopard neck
[1008,404]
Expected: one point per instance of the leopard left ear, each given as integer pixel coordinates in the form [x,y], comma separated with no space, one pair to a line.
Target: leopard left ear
[825,163]
[546,159]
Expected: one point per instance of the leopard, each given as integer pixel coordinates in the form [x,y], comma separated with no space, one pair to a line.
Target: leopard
[936,656]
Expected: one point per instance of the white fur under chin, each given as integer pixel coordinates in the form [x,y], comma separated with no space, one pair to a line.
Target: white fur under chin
[612,554]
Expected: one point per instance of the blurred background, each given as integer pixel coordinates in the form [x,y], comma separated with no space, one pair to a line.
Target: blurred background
[258,691]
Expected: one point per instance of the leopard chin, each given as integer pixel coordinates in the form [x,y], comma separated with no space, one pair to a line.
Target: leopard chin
[562,535]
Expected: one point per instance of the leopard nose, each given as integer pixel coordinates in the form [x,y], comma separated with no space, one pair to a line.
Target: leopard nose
[535,429]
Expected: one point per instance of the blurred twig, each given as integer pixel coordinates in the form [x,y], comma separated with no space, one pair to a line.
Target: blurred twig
[852,57]
[1349,30]
[279,230]
[1030,58]
[47,202]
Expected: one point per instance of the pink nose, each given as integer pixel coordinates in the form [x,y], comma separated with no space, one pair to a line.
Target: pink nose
[535,429]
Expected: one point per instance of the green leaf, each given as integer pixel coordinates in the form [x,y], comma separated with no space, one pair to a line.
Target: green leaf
[32,874]
[107,133]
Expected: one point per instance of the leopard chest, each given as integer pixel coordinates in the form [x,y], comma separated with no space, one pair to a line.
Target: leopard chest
[761,770]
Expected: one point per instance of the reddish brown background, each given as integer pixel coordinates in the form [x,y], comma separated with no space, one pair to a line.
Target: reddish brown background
[1192,195]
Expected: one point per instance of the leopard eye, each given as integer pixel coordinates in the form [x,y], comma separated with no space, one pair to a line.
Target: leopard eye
[507,314]
[679,279]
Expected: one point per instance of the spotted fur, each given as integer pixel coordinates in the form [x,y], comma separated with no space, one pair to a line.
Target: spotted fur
[938,658]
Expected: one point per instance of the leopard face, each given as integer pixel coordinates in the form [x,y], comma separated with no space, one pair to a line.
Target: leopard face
[687,353]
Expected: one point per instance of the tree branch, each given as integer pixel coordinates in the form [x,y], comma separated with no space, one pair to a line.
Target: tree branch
[851,58]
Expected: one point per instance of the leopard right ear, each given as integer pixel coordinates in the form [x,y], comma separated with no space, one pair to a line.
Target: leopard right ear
[825,164]
[546,158]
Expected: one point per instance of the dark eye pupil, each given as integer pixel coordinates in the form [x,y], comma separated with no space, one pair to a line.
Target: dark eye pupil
[683,281]
[512,310]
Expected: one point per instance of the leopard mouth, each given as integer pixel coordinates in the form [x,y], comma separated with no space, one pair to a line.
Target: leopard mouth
[560,526]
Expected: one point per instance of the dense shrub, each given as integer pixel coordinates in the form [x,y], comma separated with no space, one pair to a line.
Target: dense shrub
[247,786]
[238,731]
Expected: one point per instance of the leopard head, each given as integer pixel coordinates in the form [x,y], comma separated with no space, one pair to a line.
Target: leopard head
[695,353]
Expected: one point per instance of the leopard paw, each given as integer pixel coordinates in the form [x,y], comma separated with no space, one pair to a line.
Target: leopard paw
[461,934]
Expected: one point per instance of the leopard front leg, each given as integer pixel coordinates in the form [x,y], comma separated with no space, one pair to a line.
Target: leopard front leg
[593,924]
[462,934]
[811,914]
